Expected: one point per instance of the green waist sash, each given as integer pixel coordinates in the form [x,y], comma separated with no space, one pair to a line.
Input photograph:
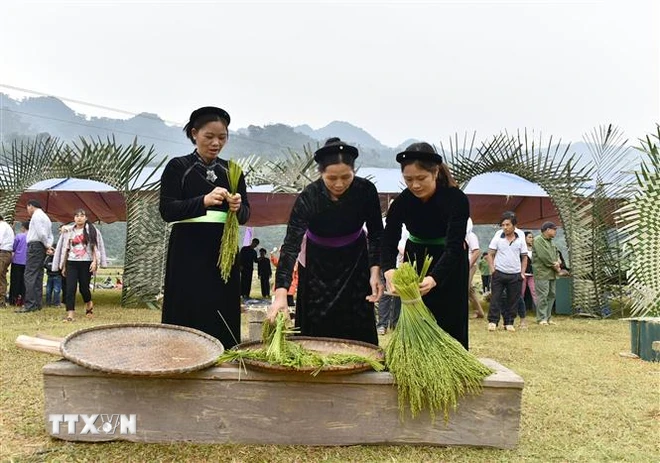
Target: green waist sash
[428,241]
[209,217]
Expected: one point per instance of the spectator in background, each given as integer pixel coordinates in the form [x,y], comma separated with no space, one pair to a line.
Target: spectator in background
[53,282]
[528,295]
[39,243]
[6,251]
[17,274]
[484,269]
[247,258]
[473,256]
[264,271]
[546,268]
[80,252]
[507,257]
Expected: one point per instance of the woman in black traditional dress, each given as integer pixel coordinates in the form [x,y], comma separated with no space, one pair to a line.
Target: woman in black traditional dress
[194,196]
[435,212]
[339,273]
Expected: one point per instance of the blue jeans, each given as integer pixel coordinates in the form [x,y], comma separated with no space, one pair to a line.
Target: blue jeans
[53,289]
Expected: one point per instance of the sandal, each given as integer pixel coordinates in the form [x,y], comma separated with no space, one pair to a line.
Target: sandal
[68,319]
[89,313]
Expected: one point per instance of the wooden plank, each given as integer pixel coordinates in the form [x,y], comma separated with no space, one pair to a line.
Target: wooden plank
[39,344]
[211,406]
[501,378]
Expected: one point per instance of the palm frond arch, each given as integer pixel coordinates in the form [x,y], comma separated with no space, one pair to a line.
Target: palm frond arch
[641,229]
[24,163]
[551,166]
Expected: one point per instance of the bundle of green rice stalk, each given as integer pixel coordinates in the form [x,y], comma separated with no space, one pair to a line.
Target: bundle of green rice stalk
[432,369]
[229,242]
[278,350]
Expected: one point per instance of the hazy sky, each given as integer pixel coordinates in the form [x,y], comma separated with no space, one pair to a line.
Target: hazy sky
[399,70]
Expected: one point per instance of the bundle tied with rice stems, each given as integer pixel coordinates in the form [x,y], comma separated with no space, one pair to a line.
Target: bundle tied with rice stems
[432,369]
[278,350]
[229,242]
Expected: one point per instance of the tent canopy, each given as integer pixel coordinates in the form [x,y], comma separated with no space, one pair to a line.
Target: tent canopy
[489,195]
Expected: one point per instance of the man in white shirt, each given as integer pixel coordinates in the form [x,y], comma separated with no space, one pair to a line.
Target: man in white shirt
[507,258]
[6,248]
[39,242]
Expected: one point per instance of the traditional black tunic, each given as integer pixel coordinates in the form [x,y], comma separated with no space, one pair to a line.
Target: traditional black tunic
[333,284]
[194,289]
[444,215]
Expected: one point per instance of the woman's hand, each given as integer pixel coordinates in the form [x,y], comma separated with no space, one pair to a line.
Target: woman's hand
[427,284]
[389,287]
[92,267]
[234,202]
[215,197]
[279,305]
[376,285]
[63,270]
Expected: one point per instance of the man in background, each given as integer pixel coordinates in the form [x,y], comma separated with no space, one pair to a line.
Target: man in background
[507,258]
[546,268]
[39,243]
[264,271]
[247,258]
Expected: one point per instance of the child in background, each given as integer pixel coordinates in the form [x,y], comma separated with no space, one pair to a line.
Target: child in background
[484,270]
[53,283]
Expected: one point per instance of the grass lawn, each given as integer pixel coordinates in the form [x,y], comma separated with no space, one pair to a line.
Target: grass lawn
[581,401]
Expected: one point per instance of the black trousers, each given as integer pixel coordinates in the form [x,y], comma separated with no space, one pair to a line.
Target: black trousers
[513,284]
[246,282]
[265,286]
[77,274]
[34,275]
[16,282]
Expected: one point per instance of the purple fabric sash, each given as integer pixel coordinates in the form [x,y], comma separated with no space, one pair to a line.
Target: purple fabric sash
[335,241]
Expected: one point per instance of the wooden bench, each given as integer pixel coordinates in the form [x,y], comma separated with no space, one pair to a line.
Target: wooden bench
[214,406]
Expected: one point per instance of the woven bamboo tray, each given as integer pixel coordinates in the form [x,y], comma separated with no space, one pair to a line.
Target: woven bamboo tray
[323,346]
[147,349]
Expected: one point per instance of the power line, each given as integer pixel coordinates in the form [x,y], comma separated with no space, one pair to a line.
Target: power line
[86,103]
[130,113]
[41,116]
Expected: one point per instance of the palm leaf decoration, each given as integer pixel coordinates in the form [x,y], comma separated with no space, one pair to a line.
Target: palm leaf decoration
[292,173]
[610,189]
[22,164]
[641,229]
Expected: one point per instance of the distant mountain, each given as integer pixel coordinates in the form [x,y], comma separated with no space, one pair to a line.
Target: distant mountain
[31,116]
[345,131]
[49,115]
[372,152]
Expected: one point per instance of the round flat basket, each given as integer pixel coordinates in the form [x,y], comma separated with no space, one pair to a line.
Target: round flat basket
[148,349]
[323,346]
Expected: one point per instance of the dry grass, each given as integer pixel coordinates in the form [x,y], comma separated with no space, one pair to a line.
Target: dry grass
[581,401]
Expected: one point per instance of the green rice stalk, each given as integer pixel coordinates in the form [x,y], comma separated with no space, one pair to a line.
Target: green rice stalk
[278,350]
[432,370]
[229,242]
